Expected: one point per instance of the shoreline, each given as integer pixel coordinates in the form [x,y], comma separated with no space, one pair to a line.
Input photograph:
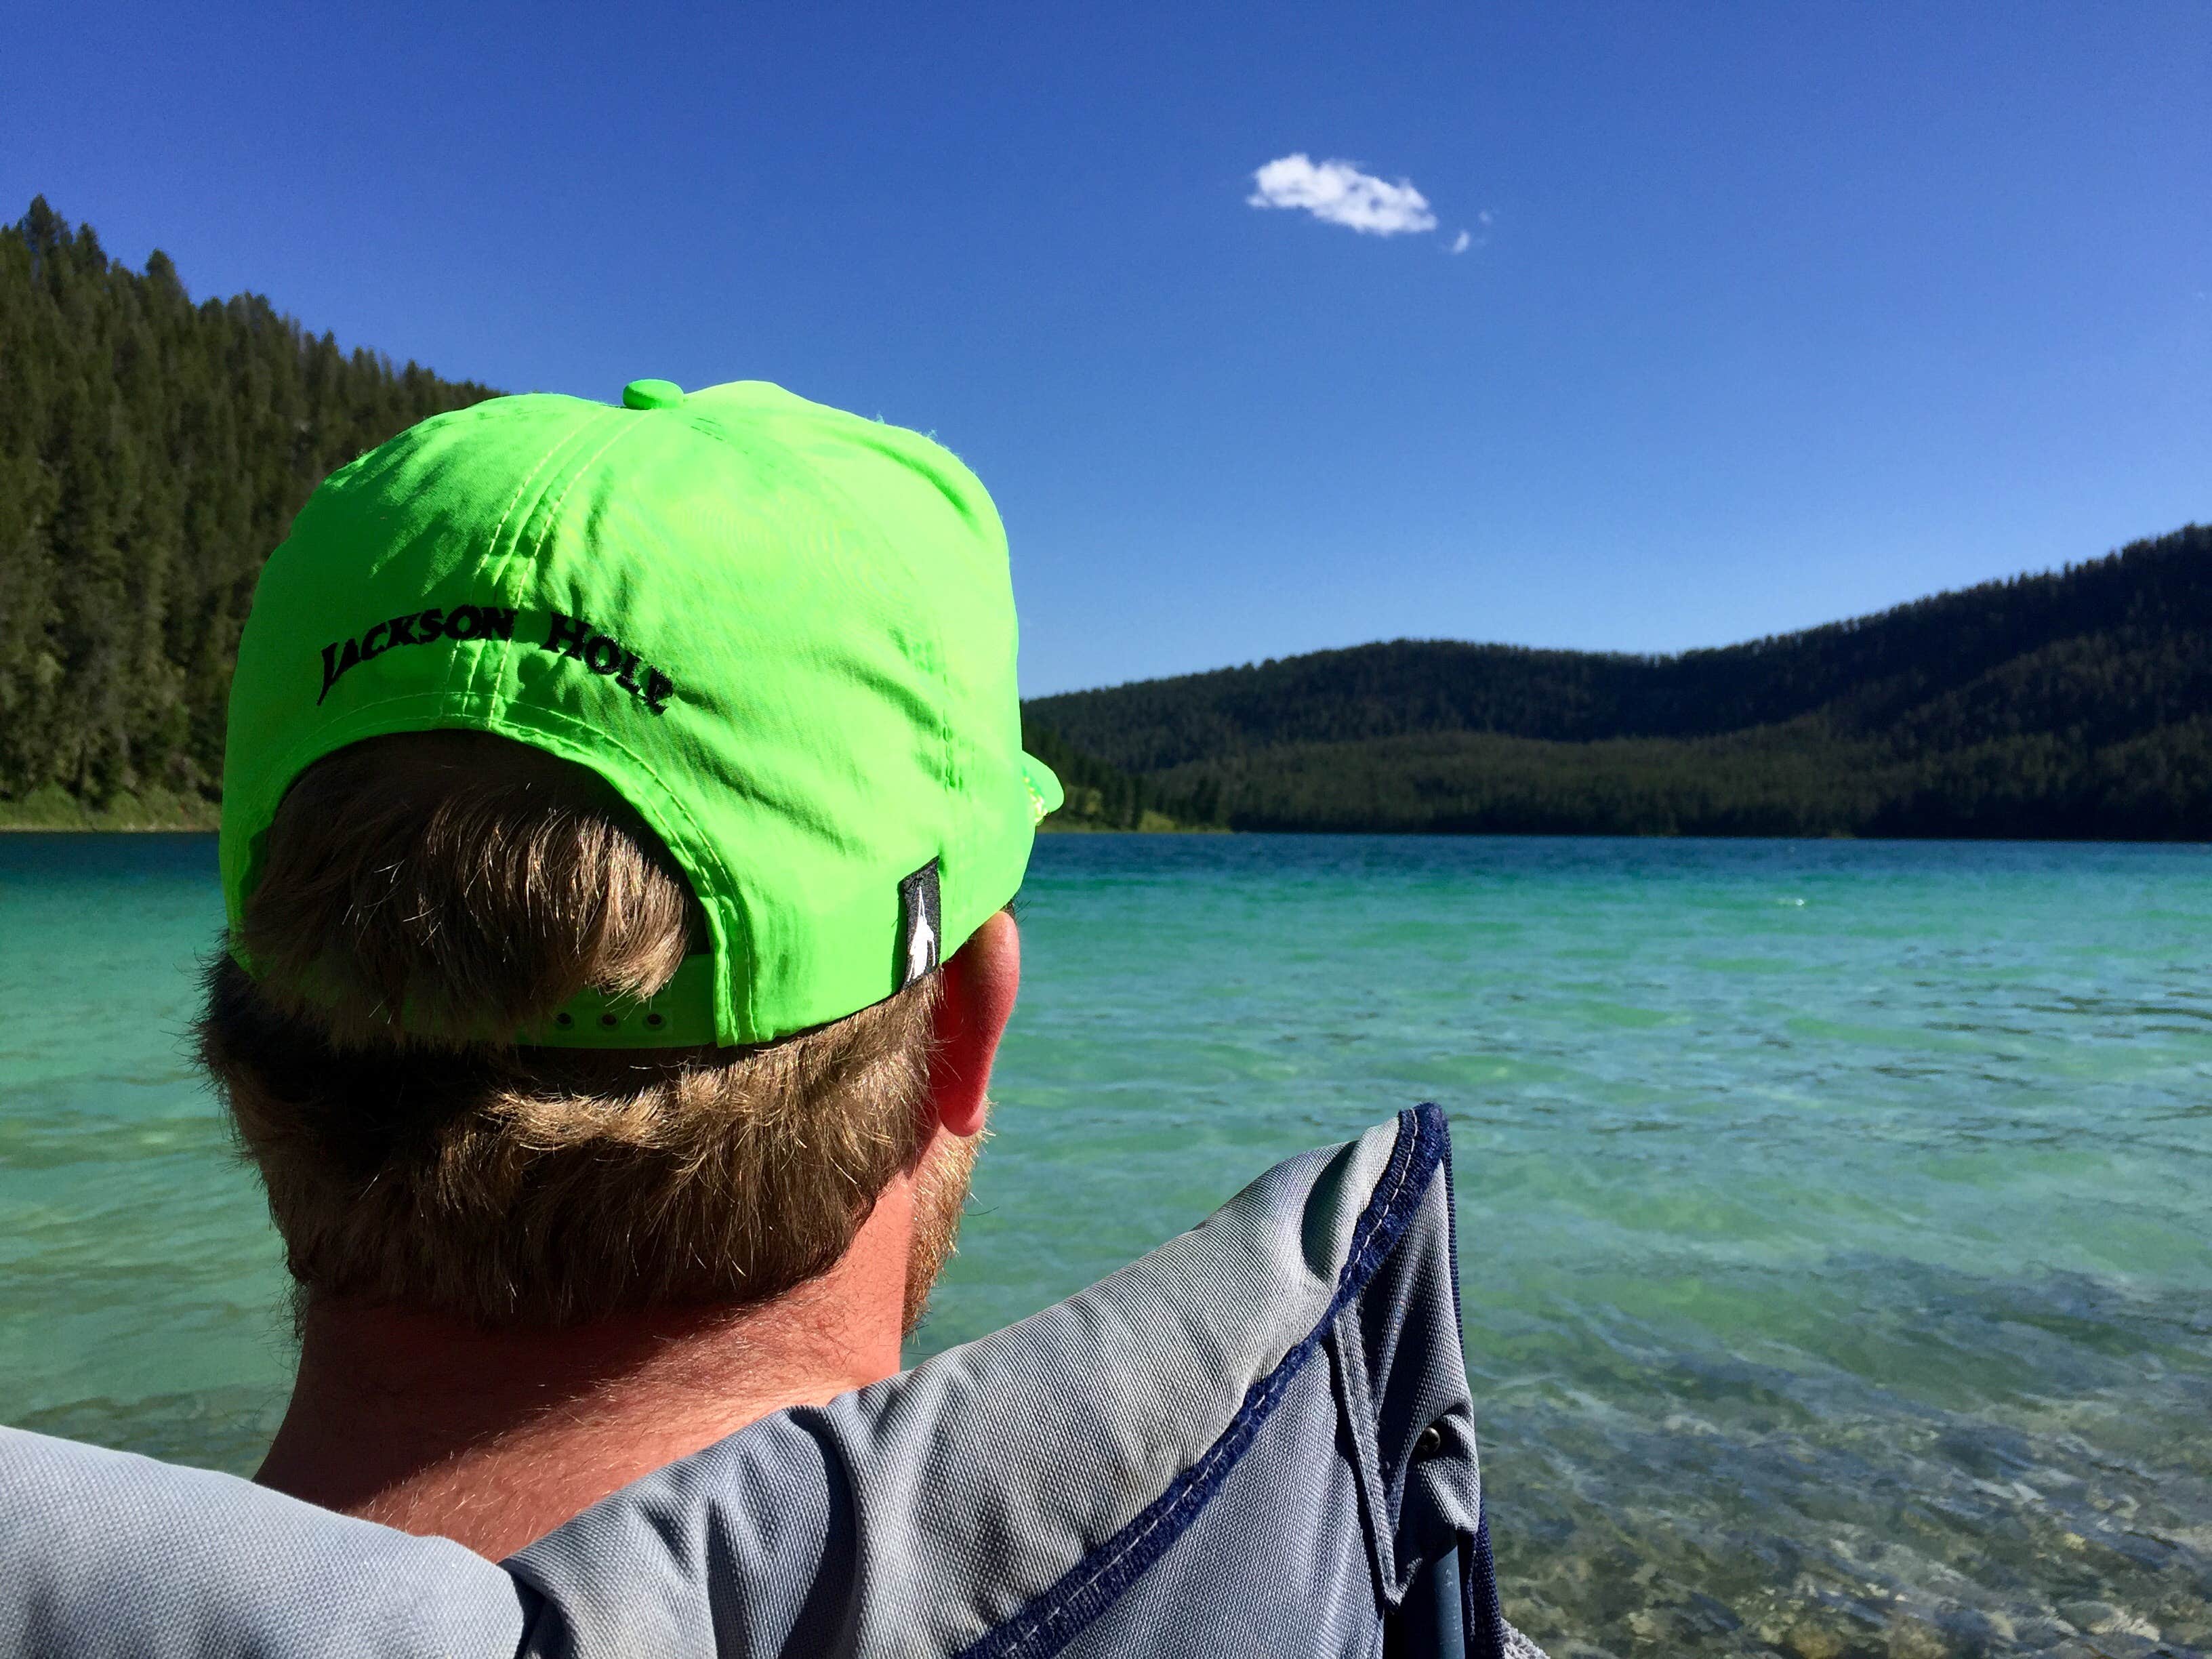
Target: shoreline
[212,825]
[135,819]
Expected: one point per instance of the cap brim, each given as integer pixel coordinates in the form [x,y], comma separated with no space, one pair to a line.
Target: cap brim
[1045,793]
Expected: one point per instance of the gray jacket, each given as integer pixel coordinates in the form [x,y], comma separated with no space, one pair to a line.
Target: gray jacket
[1255,1440]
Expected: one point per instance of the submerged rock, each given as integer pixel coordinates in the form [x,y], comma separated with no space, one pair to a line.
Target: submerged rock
[2103,1619]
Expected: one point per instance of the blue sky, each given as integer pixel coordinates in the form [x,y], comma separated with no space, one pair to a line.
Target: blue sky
[1768,313]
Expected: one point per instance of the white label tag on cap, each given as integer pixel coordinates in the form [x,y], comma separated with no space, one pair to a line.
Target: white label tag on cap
[921,925]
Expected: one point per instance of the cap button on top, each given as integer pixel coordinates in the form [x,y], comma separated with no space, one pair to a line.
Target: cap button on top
[652,394]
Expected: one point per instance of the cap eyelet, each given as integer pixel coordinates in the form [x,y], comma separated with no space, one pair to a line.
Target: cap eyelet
[564,1021]
[656,1021]
[609,1021]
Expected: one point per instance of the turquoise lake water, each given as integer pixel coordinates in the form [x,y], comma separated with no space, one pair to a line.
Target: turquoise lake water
[1834,1216]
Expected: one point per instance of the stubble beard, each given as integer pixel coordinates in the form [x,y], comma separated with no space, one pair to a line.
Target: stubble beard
[940,1194]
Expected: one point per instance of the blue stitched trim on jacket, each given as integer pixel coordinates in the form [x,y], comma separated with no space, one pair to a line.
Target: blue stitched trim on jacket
[1048,1623]
[1482,1615]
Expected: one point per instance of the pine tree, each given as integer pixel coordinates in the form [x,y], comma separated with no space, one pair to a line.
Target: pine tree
[152,453]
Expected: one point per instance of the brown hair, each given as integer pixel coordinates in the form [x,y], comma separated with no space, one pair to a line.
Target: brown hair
[412,884]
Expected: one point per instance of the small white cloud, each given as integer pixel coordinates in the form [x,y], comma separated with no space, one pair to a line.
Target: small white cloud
[1338,193]
[1470,239]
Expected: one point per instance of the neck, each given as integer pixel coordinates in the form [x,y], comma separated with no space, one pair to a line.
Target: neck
[493,1437]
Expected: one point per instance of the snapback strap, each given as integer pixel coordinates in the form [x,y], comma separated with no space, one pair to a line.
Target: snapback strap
[680,1015]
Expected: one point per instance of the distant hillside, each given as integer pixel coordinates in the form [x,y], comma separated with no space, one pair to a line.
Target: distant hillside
[153,450]
[152,453]
[2073,704]
[1104,796]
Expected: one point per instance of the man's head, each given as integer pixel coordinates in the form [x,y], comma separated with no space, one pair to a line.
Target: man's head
[604,788]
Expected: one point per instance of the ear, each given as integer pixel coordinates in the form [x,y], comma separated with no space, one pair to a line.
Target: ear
[981,981]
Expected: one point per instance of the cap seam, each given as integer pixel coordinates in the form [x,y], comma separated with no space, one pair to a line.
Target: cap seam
[564,441]
[551,516]
[939,669]
[553,449]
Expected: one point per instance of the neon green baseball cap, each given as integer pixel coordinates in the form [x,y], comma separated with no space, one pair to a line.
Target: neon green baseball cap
[785,635]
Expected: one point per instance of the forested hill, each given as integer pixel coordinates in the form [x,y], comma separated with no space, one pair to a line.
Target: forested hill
[152,452]
[2075,703]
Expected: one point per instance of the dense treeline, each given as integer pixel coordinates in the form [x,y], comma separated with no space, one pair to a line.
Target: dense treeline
[1870,672]
[2073,704]
[152,452]
[1103,797]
